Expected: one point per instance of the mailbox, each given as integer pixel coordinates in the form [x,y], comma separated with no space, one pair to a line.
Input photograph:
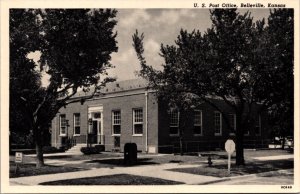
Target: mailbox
[130,154]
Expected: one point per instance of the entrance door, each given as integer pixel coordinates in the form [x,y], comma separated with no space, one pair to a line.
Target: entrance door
[96,124]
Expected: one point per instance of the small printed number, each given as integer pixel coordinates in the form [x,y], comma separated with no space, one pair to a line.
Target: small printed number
[286,187]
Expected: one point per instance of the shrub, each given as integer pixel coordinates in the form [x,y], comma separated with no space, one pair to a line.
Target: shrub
[89,150]
[49,149]
[100,148]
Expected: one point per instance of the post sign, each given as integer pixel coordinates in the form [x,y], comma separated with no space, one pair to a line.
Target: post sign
[230,148]
[19,157]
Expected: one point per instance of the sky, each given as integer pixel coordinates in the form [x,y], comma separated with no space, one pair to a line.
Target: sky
[160,26]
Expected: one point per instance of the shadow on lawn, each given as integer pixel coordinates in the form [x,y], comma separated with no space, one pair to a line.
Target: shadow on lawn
[260,166]
[116,179]
[253,167]
[120,162]
[58,157]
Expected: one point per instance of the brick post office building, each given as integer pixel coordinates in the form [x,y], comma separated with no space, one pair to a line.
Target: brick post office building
[127,111]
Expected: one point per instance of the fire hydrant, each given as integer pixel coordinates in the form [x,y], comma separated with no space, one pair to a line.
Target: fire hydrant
[209,162]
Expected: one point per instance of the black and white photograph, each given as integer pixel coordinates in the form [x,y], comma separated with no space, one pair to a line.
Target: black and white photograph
[161,99]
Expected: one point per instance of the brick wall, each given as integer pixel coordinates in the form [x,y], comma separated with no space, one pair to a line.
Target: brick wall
[208,139]
[159,138]
[124,103]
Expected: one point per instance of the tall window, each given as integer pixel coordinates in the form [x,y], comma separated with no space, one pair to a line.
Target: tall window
[77,124]
[63,124]
[174,122]
[232,123]
[197,122]
[116,122]
[138,121]
[258,125]
[218,123]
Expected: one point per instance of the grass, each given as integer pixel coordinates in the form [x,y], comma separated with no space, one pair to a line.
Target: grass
[279,174]
[31,170]
[111,160]
[85,157]
[220,170]
[117,179]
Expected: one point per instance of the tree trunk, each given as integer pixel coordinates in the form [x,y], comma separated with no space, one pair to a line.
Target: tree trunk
[38,138]
[283,142]
[39,155]
[239,141]
[181,144]
[181,128]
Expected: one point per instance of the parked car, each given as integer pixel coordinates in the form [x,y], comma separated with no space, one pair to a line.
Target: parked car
[289,142]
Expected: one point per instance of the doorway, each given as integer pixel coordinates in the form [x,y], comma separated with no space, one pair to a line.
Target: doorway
[95,117]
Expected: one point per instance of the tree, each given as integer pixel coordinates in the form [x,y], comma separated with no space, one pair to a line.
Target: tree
[229,61]
[280,34]
[24,80]
[169,86]
[75,47]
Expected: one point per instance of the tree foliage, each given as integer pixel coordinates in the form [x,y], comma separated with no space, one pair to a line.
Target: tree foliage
[237,60]
[75,47]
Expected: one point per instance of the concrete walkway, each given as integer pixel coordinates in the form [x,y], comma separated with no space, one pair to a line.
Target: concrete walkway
[279,157]
[157,171]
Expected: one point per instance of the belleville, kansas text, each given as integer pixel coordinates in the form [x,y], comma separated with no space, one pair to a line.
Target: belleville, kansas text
[232,5]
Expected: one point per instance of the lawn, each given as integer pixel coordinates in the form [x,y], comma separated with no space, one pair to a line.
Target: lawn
[117,179]
[111,160]
[220,170]
[31,170]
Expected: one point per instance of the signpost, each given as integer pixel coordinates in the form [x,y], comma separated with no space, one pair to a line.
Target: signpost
[18,159]
[230,148]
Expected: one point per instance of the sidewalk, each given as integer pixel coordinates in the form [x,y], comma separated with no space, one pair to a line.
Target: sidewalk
[279,157]
[157,171]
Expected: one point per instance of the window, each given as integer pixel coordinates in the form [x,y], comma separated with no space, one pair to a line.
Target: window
[218,123]
[258,125]
[174,122]
[63,124]
[116,122]
[197,122]
[232,123]
[77,124]
[138,121]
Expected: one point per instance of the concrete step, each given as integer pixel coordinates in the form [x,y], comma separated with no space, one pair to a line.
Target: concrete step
[76,149]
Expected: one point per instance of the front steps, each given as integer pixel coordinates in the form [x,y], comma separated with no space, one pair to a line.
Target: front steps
[75,150]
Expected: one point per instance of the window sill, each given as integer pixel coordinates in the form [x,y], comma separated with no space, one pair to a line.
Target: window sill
[76,135]
[116,135]
[63,135]
[232,134]
[218,134]
[137,135]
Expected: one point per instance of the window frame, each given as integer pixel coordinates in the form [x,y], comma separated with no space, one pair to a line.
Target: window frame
[74,124]
[220,123]
[170,124]
[114,124]
[137,123]
[197,125]
[60,125]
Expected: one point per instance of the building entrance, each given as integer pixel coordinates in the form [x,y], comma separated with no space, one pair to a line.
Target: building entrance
[95,131]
